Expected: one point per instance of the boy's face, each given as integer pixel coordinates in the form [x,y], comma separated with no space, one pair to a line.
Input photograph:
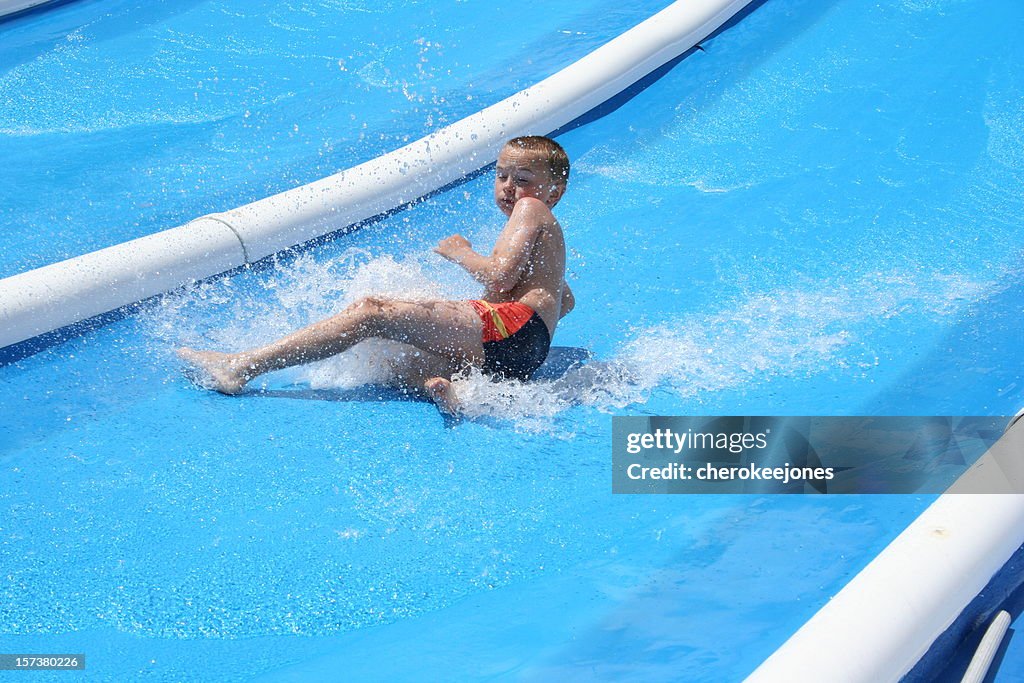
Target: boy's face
[523,173]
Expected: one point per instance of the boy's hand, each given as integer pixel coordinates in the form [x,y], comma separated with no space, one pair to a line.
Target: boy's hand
[452,247]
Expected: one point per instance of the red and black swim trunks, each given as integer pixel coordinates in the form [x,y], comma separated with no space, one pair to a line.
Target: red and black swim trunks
[516,340]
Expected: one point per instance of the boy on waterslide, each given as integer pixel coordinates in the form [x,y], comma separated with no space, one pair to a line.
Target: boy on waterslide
[506,333]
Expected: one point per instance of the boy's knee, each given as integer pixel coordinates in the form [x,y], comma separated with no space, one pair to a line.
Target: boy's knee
[366,304]
[369,310]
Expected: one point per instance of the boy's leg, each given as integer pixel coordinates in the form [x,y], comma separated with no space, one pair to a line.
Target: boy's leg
[442,393]
[413,367]
[429,373]
[450,329]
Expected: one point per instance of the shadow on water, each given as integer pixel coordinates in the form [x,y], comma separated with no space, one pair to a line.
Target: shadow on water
[379,393]
[560,360]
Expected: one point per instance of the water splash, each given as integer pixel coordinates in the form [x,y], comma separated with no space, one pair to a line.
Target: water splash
[225,315]
[788,332]
[801,330]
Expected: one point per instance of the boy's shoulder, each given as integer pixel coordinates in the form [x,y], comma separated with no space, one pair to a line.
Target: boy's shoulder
[534,210]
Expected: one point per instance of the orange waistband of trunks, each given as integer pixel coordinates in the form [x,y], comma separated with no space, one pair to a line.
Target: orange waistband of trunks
[502,320]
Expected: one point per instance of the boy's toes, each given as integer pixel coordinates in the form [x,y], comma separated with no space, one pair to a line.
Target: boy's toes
[211,370]
[436,386]
[442,394]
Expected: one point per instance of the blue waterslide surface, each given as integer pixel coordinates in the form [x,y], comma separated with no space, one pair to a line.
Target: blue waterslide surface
[119,118]
[817,214]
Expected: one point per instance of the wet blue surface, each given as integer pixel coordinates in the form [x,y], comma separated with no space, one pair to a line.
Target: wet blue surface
[797,221]
[119,119]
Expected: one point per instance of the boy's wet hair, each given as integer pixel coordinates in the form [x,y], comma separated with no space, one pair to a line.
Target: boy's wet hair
[558,160]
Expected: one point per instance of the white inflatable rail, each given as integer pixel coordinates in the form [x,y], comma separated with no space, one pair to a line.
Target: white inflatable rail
[884,621]
[52,297]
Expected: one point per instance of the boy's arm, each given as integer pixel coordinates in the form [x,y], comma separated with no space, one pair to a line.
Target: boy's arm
[568,300]
[500,271]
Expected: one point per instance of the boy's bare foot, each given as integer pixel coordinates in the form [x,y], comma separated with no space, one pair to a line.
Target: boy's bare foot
[442,393]
[213,370]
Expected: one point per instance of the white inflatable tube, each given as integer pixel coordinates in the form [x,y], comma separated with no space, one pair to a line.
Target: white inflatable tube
[48,298]
[881,623]
[15,6]
[64,293]
[981,662]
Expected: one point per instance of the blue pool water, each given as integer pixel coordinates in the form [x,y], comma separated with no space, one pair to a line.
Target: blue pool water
[819,214]
[119,118]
